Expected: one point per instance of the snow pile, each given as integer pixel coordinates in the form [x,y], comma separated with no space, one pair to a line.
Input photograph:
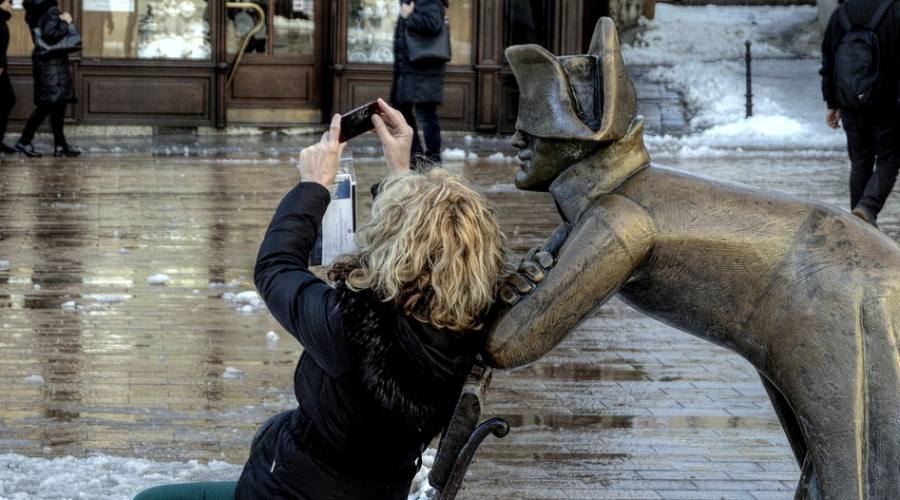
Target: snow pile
[420,487]
[245,302]
[4,265]
[34,380]
[700,53]
[99,477]
[232,373]
[453,155]
[158,279]
[272,338]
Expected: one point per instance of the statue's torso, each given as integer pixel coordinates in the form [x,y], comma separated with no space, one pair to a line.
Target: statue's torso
[738,266]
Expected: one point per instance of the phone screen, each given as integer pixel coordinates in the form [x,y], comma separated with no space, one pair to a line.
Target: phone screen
[358,121]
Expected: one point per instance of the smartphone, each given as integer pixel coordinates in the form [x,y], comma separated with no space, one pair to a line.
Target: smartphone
[358,121]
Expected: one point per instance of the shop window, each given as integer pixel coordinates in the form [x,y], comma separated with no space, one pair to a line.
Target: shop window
[289,28]
[370,31]
[19,36]
[528,21]
[146,29]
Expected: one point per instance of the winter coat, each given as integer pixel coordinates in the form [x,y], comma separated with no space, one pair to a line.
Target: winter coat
[7,94]
[420,83]
[374,386]
[52,79]
[4,39]
[888,32]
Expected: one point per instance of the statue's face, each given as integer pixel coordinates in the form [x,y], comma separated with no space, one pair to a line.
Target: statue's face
[542,160]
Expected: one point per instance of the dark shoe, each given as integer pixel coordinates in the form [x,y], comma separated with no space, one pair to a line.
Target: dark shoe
[65,150]
[6,149]
[27,150]
[864,214]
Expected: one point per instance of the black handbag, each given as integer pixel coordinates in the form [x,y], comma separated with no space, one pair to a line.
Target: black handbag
[429,49]
[69,43]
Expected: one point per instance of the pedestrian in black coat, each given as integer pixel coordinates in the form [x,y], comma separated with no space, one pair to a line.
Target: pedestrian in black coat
[385,350]
[417,90]
[7,95]
[53,86]
[873,135]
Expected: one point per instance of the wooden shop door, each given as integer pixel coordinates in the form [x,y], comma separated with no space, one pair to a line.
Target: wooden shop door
[279,78]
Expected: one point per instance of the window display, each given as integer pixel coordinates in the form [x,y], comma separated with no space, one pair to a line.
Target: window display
[292,23]
[146,29]
[370,31]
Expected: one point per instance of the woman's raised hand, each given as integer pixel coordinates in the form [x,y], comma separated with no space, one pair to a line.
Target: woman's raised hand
[320,162]
[66,17]
[396,137]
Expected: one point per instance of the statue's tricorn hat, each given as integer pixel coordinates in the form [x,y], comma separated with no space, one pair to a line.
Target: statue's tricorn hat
[586,97]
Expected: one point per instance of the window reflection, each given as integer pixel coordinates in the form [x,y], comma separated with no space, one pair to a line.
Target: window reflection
[370,31]
[240,22]
[294,26]
[146,29]
[528,21]
[371,23]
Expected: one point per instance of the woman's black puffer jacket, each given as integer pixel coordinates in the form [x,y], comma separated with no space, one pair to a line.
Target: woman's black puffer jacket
[373,386]
[52,78]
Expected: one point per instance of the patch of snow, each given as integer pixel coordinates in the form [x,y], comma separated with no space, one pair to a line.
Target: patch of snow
[232,373]
[34,379]
[99,477]
[451,154]
[4,265]
[69,305]
[158,279]
[109,298]
[500,158]
[245,302]
[420,487]
[698,51]
[272,337]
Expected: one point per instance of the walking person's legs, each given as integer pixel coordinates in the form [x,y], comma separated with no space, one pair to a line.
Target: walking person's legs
[861,149]
[60,145]
[7,102]
[886,136]
[431,129]
[34,121]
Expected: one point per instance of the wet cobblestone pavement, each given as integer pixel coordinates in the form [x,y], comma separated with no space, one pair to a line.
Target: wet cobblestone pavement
[94,358]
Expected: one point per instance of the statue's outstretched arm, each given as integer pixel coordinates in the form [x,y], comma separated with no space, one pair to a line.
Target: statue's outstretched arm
[605,247]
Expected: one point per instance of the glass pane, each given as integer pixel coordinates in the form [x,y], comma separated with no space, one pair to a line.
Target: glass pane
[19,36]
[146,29]
[370,31]
[461,31]
[240,22]
[294,26]
[528,21]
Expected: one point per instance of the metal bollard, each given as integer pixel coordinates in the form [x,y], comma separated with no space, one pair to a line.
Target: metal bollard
[748,59]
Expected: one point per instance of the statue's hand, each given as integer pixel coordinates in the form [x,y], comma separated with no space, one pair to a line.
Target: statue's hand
[531,271]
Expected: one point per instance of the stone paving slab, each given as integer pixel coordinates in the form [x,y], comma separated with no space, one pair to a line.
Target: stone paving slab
[625,407]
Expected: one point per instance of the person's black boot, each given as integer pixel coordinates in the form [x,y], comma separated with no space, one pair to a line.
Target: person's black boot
[27,150]
[6,149]
[65,150]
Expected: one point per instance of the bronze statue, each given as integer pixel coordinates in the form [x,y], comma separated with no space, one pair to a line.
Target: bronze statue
[808,294]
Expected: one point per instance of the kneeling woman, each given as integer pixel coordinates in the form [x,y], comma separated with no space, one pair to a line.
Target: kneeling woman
[385,352]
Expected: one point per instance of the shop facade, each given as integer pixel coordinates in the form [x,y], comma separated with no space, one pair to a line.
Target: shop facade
[179,63]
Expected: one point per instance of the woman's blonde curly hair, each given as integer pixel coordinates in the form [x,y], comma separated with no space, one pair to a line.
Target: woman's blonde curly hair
[433,248]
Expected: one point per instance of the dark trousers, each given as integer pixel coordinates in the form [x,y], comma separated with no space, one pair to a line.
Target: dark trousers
[873,142]
[431,128]
[7,101]
[57,114]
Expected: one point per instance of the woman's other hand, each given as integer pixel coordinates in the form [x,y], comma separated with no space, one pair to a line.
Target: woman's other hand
[65,16]
[396,137]
[319,162]
[406,9]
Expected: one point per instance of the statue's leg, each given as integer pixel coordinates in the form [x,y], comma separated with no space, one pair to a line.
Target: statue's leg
[788,421]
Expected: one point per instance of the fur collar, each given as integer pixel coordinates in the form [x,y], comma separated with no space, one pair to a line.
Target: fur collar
[404,375]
